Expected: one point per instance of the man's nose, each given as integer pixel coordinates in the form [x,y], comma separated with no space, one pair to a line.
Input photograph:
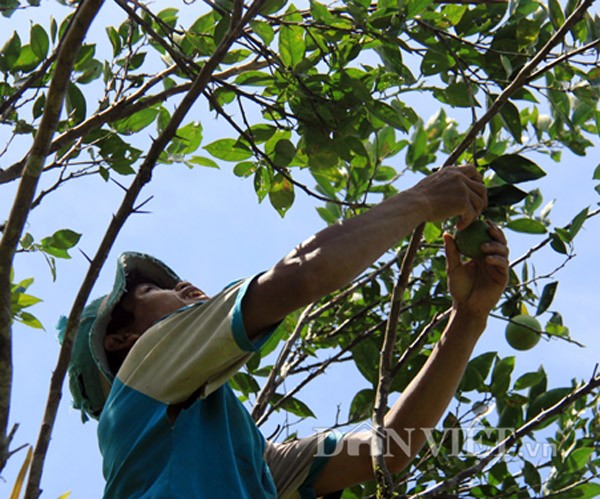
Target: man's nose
[182,284]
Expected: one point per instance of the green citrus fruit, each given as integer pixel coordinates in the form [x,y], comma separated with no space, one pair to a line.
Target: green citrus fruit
[519,332]
[470,239]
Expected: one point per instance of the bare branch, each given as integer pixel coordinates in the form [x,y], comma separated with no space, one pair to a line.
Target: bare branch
[26,191]
[320,370]
[385,485]
[278,374]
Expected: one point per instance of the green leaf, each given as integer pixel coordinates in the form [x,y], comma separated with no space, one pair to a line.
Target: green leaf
[366,358]
[85,55]
[244,382]
[477,371]
[514,168]
[547,297]
[587,490]
[284,153]
[579,458]
[510,115]
[436,61]
[261,132]
[293,405]
[30,320]
[115,40]
[201,161]
[528,380]
[27,60]
[262,182]
[361,406]
[415,7]
[578,222]
[263,30]
[557,244]
[291,39]
[10,52]
[76,105]
[39,41]
[532,476]
[169,16]
[254,78]
[53,29]
[92,71]
[281,194]
[557,17]
[8,7]
[501,376]
[244,169]
[228,150]
[272,6]
[187,139]
[25,300]
[136,122]
[555,329]
[387,114]
[527,225]
[505,195]
[457,94]
[65,239]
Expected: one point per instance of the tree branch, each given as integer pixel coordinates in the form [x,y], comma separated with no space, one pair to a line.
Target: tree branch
[26,191]
[278,374]
[384,482]
[519,81]
[385,485]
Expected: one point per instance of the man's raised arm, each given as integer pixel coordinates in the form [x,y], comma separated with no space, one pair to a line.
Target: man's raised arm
[475,288]
[336,255]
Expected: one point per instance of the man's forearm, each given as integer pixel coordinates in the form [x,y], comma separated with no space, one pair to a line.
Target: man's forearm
[419,407]
[336,255]
[426,398]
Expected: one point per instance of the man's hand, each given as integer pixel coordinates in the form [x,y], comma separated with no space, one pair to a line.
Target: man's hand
[453,191]
[476,286]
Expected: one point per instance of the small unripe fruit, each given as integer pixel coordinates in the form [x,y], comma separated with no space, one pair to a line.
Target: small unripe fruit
[520,334]
[470,239]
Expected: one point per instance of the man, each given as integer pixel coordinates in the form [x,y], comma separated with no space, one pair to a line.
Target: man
[171,427]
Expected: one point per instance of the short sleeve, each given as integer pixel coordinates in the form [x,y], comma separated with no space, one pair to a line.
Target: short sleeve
[296,465]
[194,350]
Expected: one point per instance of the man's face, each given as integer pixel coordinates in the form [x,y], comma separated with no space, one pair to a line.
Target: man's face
[149,303]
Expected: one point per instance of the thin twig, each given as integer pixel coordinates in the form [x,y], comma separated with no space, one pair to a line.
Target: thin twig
[26,191]
[277,374]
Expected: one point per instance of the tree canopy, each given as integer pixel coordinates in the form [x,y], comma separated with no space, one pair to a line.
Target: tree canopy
[330,100]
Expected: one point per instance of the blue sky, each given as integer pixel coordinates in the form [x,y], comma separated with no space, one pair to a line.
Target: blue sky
[208,226]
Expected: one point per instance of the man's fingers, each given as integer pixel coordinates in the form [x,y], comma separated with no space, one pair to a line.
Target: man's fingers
[478,188]
[470,171]
[495,248]
[475,206]
[496,232]
[452,254]
[497,261]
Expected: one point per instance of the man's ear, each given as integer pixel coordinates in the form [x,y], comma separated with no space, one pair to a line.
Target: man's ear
[120,341]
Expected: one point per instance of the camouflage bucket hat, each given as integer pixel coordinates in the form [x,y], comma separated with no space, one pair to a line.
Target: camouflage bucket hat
[90,377]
